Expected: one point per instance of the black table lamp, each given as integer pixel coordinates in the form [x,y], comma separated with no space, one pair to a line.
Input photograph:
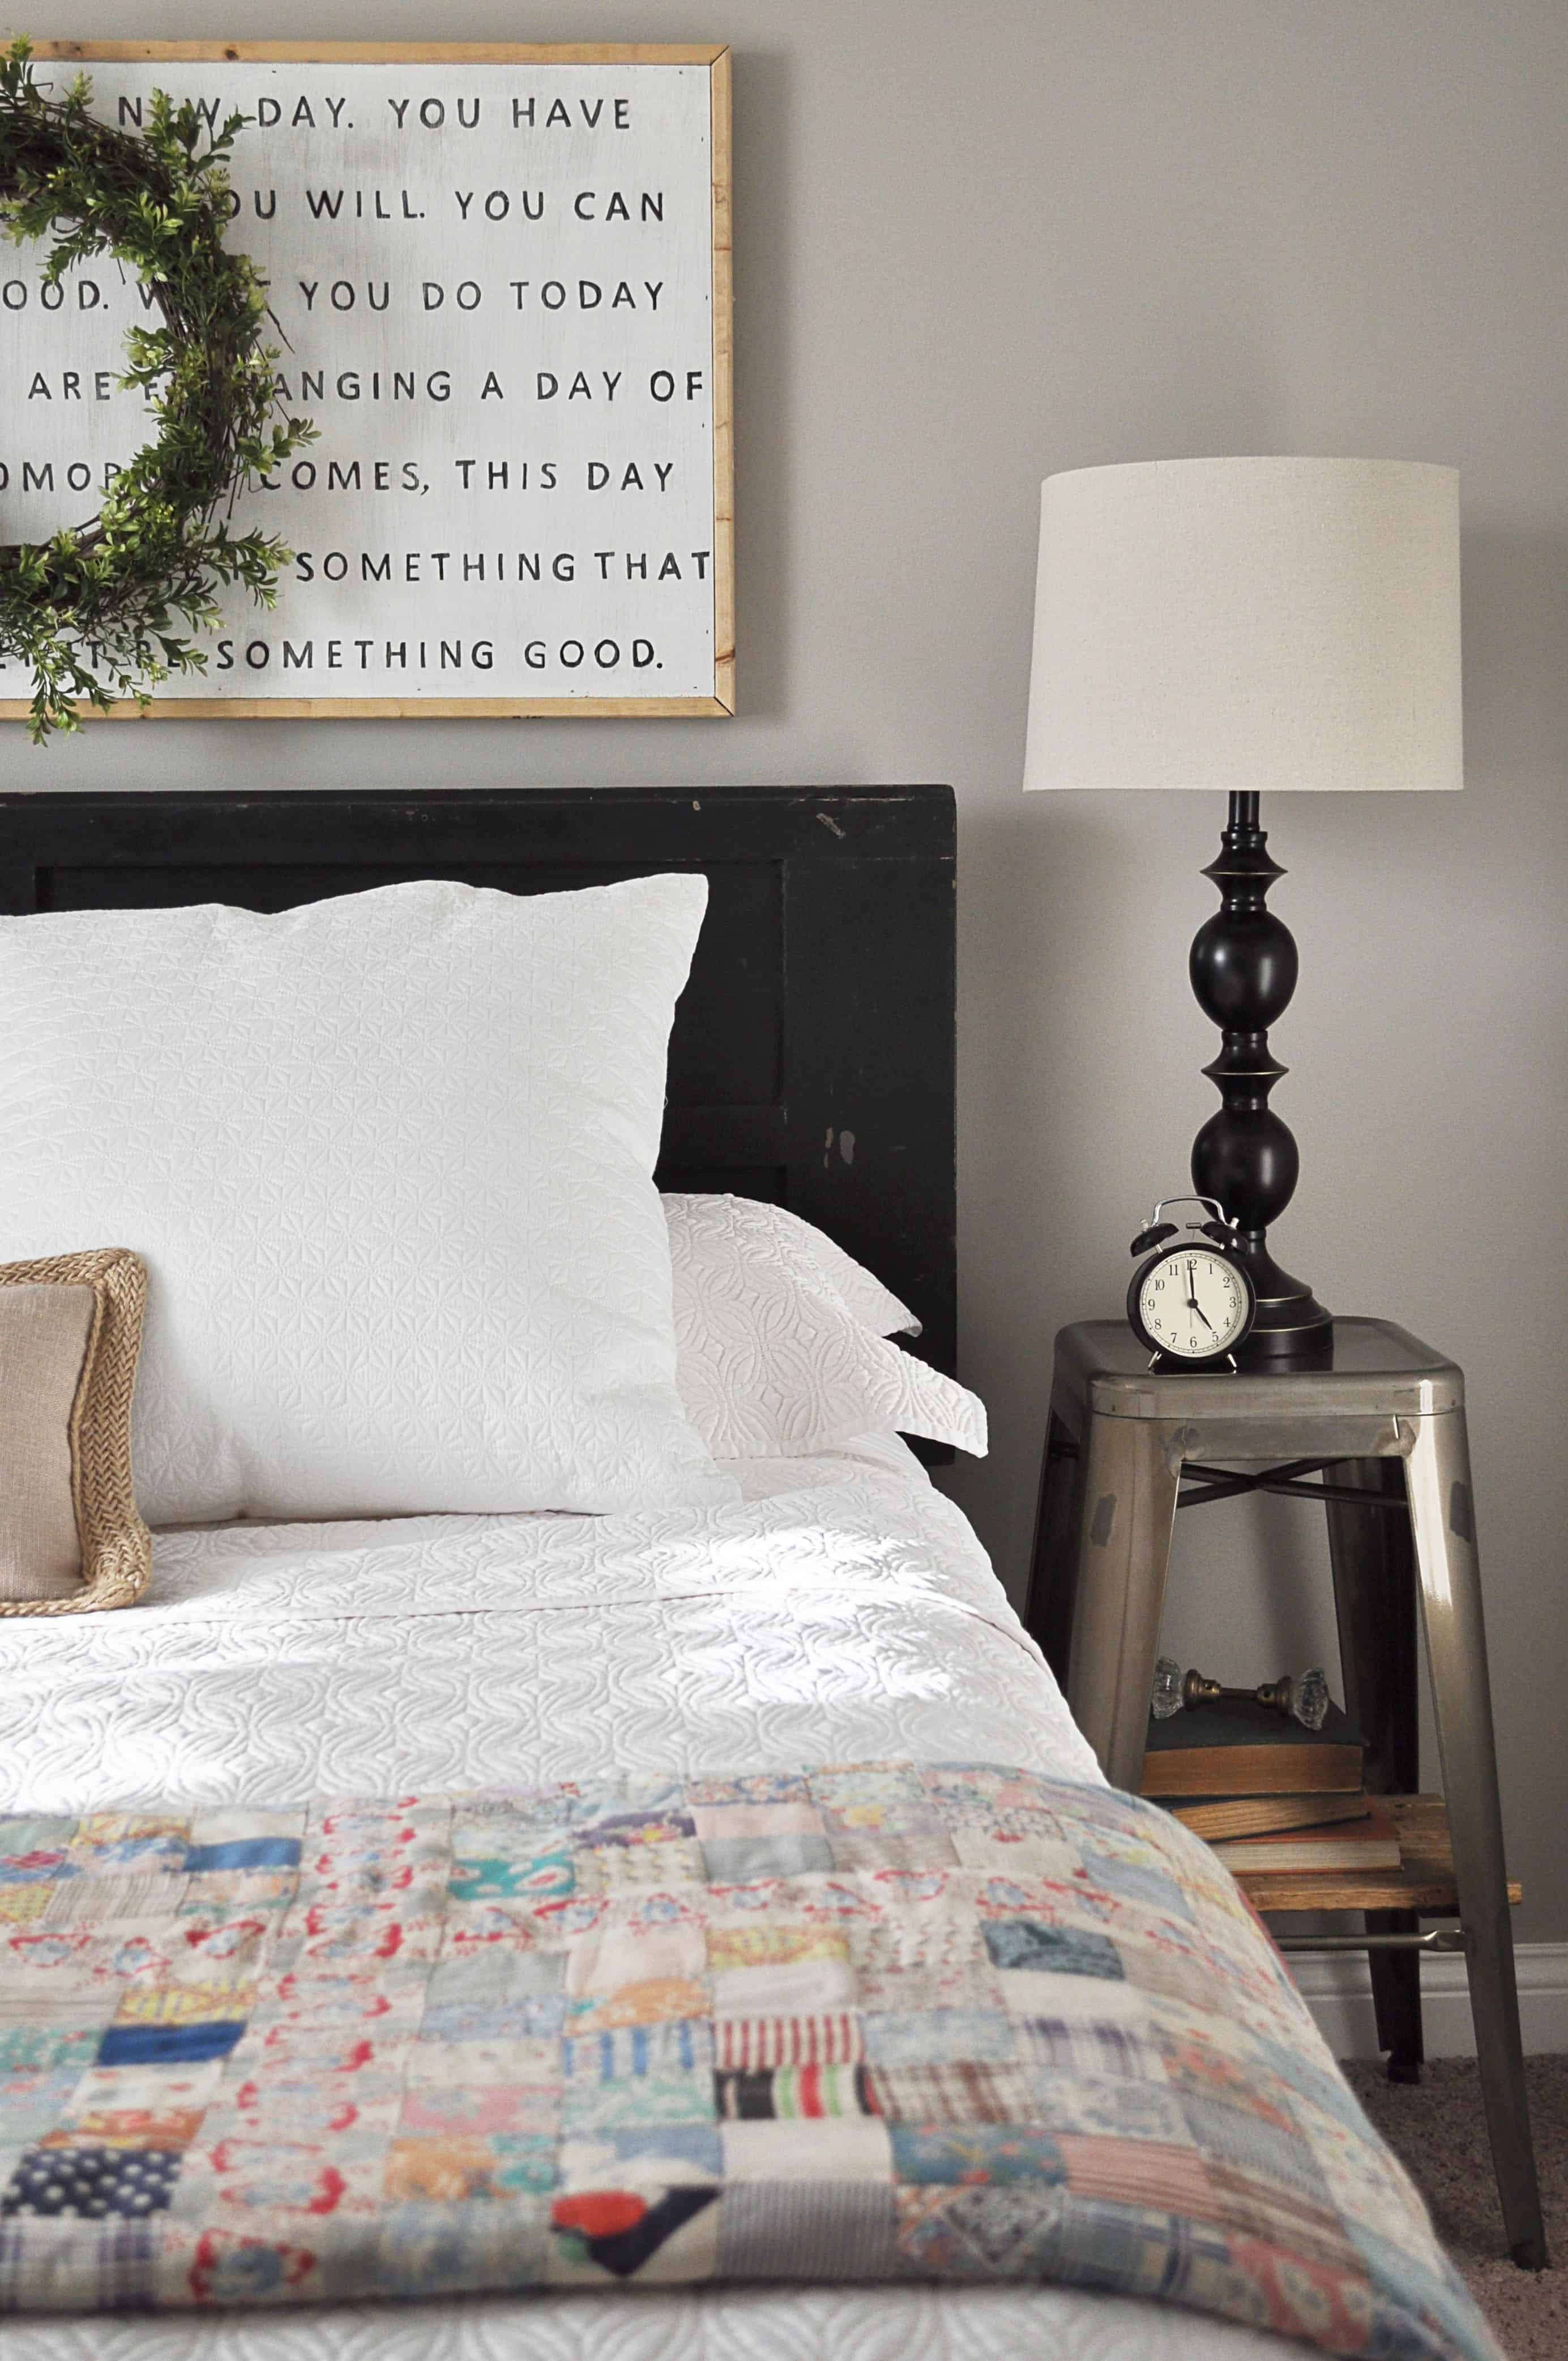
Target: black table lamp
[1242,625]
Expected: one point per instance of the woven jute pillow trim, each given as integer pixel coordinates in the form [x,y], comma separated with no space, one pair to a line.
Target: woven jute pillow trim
[116,1548]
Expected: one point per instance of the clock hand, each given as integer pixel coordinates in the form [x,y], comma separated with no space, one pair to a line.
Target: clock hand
[1193,1303]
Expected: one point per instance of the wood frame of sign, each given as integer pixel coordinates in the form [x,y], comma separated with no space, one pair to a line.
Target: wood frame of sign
[720,570]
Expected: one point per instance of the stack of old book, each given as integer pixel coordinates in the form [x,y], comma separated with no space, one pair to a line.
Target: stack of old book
[1267,1794]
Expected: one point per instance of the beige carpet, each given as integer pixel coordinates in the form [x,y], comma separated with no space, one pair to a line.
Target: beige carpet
[1437,2130]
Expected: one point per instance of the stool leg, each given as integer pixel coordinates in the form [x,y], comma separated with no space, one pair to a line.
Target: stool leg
[1374,1601]
[1048,1606]
[1123,1547]
[1443,1517]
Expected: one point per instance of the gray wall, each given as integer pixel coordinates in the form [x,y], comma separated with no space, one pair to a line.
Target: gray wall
[978,243]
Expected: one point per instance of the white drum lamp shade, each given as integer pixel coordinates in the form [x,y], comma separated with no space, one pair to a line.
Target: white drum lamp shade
[1248,625]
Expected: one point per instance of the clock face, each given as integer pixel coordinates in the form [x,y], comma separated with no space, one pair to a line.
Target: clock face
[1193,1303]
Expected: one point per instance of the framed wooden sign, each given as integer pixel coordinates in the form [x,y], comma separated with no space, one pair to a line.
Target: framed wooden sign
[502,275]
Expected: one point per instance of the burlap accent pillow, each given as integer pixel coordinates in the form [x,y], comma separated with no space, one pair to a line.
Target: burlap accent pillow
[70,1334]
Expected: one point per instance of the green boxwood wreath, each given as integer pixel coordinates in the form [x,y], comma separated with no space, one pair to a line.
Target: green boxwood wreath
[108,608]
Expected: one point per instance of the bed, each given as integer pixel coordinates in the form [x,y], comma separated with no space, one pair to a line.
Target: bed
[836,1609]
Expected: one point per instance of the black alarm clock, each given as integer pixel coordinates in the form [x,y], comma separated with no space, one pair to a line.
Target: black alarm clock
[1191,1300]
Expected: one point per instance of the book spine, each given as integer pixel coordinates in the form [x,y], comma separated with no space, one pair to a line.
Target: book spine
[1250,1816]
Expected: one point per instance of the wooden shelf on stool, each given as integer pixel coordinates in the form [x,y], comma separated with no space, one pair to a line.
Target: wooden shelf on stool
[1423,1880]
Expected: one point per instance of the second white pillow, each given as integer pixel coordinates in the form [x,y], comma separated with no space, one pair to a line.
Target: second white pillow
[781,1337]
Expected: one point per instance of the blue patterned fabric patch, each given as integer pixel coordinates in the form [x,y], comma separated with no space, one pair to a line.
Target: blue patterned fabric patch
[244,1852]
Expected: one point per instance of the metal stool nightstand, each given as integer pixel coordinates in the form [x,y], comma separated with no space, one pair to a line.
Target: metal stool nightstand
[1381,1428]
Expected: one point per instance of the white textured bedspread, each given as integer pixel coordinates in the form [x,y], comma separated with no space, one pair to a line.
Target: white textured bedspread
[842,1611]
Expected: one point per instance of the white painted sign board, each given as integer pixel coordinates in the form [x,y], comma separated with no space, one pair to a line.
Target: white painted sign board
[502,274]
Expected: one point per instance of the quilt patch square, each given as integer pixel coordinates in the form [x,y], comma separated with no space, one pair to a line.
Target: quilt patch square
[237,1893]
[456,2168]
[1092,2046]
[969,2233]
[22,1903]
[643,2157]
[1140,2172]
[1052,1950]
[193,2003]
[1001,1822]
[965,2091]
[736,1861]
[169,2045]
[27,1834]
[1241,2137]
[975,2155]
[762,1940]
[636,1843]
[466,2111]
[881,1817]
[618,1954]
[1163,1972]
[1281,2218]
[1142,1881]
[750,1787]
[1115,2242]
[238,1824]
[767,2093]
[110,1844]
[836,2148]
[637,2053]
[819,1987]
[600,2238]
[873,2022]
[995,1801]
[542,1869]
[623,1865]
[815,2230]
[93,2181]
[33,2101]
[939,2037]
[743,2044]
[423,2250]
[891,1980]
[82,1901]
[495,1994]
[242,1852]
[655,2000]
[141,2107]
[737,1823]
[42,1863]
[638,2076]
[26,2050]
[1114,2105]
[112,2260]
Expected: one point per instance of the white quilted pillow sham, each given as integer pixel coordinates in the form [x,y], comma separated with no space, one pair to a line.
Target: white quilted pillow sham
[781,1340]
[389,1160]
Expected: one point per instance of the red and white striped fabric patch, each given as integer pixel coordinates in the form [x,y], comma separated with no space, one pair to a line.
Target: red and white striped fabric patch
[743,2043]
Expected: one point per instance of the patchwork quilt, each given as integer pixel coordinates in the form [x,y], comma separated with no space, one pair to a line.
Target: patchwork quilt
[869,2023]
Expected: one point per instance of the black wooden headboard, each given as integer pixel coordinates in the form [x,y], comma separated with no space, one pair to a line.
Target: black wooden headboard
[812,1058]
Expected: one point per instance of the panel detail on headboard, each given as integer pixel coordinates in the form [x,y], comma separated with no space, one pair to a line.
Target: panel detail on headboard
[812,1060]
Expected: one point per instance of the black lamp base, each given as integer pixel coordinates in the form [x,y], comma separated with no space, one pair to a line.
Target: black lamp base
[1292,1329]
[1243,967]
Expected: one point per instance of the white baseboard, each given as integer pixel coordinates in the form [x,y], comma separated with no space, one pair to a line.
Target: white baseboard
[1337,1988]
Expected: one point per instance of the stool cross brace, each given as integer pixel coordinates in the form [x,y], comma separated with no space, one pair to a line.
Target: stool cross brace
[1202,1483]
